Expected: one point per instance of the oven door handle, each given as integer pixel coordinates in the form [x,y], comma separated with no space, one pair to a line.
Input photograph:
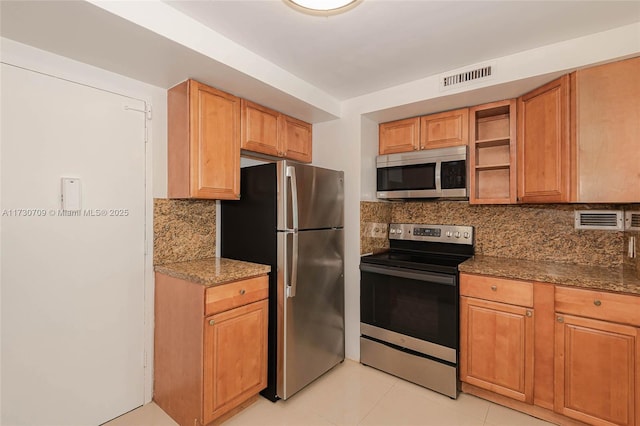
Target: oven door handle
[409,274]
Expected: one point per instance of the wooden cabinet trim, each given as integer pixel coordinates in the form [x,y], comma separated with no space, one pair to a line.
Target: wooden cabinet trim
[606,306]
[497,289]
[231,295]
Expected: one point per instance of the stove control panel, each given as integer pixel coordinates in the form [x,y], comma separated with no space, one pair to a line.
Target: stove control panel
[436,233]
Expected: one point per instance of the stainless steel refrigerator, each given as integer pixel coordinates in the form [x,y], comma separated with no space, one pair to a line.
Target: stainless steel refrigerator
[291,216]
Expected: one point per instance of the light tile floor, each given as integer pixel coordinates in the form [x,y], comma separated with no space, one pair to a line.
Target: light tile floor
[353,394]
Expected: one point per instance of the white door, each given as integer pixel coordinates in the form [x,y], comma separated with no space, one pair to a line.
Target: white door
[72,286]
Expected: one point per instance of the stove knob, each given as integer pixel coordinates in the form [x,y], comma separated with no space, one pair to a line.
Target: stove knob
[449,234]
[399,231]
[457,235]
[466,235]
[392,231]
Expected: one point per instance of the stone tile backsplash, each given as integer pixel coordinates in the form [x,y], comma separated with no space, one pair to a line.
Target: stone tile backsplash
[183,230]
[530,232]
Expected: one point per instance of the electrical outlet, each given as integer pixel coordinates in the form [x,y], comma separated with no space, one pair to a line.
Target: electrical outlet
[376,230]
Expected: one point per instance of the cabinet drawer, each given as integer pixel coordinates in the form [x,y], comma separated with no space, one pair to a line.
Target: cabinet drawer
[599,305]
[232,295]
[497,289]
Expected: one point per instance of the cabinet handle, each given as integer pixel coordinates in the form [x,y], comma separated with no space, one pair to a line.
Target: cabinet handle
[494,287]
[529,313]
[212,322]
[560,319]
[597,302]
[242,291]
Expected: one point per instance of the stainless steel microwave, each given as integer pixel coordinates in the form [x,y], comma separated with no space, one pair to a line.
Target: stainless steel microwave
[431,173]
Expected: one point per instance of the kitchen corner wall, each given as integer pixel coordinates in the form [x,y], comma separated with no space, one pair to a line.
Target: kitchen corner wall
[531,232]
[183,230]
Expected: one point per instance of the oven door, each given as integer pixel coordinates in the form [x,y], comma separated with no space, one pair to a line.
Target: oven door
[407,307]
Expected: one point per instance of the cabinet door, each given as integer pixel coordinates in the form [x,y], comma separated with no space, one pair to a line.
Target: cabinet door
[399,136]
[597,376]
[449,128]
[496,347]
[544,151]
[259,129]
[214,143]
[235,357]
[296,139]
[608,132]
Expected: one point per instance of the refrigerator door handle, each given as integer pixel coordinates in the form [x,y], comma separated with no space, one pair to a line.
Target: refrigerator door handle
[294,267]
[291,174]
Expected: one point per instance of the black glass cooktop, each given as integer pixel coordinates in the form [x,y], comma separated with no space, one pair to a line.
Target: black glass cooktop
[447,263]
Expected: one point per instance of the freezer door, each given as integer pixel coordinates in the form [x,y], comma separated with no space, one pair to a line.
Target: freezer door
[309,197]
[311,321]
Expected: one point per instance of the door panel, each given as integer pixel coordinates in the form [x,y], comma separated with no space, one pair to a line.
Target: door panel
[320,195]
[314,317]
[72,286]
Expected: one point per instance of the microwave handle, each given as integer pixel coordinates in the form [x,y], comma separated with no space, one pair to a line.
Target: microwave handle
[438,177]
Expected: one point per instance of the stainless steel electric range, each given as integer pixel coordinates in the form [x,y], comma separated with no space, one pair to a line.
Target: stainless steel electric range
[409,315]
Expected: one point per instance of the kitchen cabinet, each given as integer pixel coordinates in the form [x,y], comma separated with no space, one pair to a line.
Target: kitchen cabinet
[440,130]
[203,142]
[210,347]
[544,145]
[399,136]
[607,132]
[450,128]
[269,132]
[597,357]
[492,153]
[496,338]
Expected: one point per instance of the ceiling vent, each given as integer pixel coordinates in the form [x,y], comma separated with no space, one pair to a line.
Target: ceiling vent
[610,220]
[465,77]
[632,221]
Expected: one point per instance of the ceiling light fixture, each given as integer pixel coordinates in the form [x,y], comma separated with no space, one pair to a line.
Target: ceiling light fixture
[323,7]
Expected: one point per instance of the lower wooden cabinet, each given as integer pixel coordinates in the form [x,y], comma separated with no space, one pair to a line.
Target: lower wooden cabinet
[496,339]
[596,371]
[576,360]
[235,357]
[210,347]
[497,343]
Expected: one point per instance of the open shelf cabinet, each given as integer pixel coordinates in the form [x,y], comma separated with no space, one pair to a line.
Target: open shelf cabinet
[492,153]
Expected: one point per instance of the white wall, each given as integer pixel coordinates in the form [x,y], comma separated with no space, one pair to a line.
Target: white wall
[28,57]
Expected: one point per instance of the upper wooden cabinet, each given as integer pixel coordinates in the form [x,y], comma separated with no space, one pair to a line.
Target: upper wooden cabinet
[269,132]
[492,153]
[399,136]
[544,145]
[440,130]
[607,132]
[449,128]
[296,139]
[259,129]
[203,142]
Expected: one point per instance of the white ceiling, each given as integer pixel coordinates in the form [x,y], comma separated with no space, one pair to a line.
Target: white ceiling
[383,43]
